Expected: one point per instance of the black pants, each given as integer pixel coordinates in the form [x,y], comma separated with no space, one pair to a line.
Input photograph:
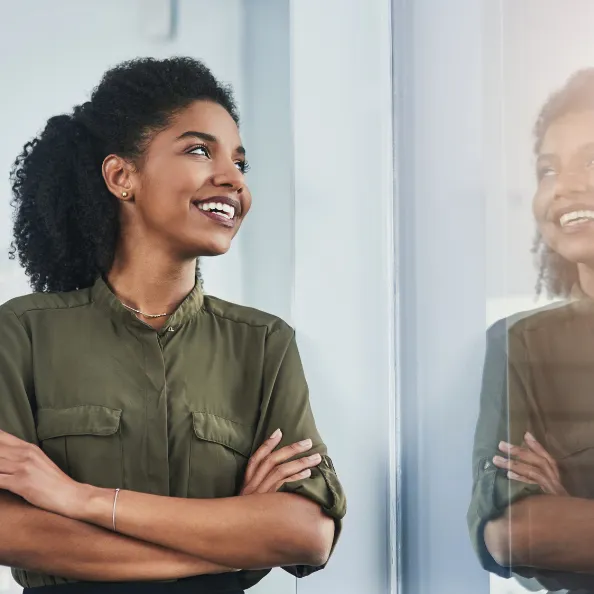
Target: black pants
[226,583]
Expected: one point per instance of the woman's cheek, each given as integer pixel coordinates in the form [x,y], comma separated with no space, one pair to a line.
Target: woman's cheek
[541,203]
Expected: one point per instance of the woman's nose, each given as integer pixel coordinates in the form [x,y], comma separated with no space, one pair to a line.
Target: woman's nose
[230,176]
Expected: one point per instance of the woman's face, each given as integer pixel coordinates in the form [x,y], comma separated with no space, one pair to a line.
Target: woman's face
[564,201]
[190,194]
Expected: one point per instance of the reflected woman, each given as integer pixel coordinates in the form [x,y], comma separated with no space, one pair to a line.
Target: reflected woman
[532,509]
[148,432]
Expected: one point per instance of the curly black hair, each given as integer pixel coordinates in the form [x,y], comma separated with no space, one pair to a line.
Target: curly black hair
[556,274]
[66,222]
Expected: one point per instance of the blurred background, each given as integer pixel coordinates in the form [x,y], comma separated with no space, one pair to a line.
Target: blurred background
[313,79]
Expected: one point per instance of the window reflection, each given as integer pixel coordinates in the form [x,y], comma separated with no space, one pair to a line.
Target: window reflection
[533,455]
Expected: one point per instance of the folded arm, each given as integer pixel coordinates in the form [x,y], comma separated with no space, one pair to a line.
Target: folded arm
[41,541]
[249,532]
[545,532]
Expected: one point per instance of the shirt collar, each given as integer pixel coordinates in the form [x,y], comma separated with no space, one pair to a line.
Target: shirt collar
[102,295]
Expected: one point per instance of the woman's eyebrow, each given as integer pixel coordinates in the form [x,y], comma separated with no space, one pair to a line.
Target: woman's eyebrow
[208,138]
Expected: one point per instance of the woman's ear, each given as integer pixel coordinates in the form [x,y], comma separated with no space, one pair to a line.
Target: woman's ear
[119,177]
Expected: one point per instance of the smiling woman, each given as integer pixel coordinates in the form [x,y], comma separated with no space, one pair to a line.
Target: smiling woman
[149,432]
[563,204]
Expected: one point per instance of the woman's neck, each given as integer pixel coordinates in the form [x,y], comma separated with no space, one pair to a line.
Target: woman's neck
[586,279]
[151,285]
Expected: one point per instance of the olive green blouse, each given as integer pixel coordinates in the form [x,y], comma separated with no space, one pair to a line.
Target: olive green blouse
[175,412]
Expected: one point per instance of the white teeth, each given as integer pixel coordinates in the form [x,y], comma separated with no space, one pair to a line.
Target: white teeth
[224,210]
[576,217]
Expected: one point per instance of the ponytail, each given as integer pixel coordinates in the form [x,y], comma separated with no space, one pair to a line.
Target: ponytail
[59,222]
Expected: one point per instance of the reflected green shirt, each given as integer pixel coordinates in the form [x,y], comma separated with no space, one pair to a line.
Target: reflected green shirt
[177,412]
[538,377]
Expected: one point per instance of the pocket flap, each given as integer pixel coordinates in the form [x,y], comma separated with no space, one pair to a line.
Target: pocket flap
[219,430]
[78,420]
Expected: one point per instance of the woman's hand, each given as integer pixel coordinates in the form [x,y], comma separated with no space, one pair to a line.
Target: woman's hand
[268,470]
[531,464]
[26,471]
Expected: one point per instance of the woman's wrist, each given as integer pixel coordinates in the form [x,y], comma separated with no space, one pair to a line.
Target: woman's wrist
[94,505]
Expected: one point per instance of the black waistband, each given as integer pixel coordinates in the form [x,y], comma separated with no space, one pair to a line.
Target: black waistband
[227,583]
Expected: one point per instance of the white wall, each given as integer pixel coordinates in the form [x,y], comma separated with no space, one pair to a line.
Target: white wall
[268,233]
[438,50]
[342,112]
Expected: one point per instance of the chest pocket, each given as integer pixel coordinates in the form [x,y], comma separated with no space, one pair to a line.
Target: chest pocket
[85,442]
[572,445]
[219,453]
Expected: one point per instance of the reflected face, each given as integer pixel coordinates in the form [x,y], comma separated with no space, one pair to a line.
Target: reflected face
[564,201]
[190,194]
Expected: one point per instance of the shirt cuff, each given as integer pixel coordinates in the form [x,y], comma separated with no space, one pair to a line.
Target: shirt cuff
[493,493]
[324,488]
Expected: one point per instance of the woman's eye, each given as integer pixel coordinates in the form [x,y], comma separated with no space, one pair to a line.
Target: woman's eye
[201,149]
[546,172]
[243,166]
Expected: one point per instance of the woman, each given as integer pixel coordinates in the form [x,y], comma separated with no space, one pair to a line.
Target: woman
[131,402]
[535,434]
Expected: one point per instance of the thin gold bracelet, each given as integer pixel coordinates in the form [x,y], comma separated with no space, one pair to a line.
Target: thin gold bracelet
[115,500]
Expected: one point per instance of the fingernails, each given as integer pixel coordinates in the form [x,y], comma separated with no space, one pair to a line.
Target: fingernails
[503,445]
[315,458]
[306,473]
[512,475]
[306,443]
[529,436]
[276,434]
[499,460]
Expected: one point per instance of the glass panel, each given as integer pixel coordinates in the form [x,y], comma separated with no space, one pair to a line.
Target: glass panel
[539,369]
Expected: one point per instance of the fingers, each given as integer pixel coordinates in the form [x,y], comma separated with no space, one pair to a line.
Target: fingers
[522,479]
[282,473]
[540,451]
[296,477]
[532,473]
[555,489]
[260,454]
[272,460]
[533,458]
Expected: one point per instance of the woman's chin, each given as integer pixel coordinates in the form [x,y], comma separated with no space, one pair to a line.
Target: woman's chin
[214,249]
[575,255]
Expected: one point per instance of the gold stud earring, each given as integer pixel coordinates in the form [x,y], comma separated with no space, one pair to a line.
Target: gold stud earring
[124,194]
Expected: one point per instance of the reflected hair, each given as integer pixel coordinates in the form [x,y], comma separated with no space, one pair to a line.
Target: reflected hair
[65,220]
[557,276]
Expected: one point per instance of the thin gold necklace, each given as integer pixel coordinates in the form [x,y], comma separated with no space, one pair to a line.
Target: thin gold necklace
[137,311]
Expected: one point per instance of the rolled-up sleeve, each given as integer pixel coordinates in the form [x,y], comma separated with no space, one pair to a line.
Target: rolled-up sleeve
[504,416]
[286,406]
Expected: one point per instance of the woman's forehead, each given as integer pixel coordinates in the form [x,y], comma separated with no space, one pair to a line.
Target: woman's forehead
[569,133]
[208,118]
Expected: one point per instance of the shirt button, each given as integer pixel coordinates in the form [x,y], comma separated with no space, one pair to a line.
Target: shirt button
[171,329]
[487,465]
